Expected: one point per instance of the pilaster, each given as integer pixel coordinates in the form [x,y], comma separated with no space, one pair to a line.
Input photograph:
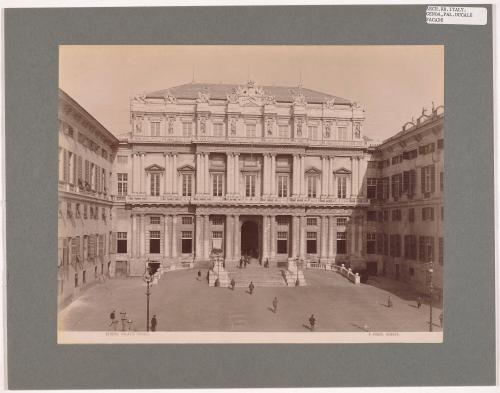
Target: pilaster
[237,237]
[174,233]
[302,239]
[237,174]
[206,237]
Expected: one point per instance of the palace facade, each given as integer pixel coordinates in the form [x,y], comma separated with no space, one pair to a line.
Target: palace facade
[282,174]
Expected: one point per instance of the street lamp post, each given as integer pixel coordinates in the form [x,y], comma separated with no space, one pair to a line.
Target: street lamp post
[148,277]
[431,270]
[123,317]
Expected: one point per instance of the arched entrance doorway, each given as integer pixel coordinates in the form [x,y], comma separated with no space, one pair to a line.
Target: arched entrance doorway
[250,239]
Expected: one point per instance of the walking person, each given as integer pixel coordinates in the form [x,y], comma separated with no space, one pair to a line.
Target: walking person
[112,316]
[312,322]
[199,275]
[275,305]
[233,283]
[154,322]
[251,287]
[419,301]
[241,262]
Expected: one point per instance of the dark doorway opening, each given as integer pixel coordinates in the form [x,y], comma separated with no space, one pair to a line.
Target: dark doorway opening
[250,239]
[371,268]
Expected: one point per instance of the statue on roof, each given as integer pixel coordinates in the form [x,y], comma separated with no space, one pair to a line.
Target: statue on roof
[169,98]
[140,97]
[299,99]
[330,103]
[203,96]
[356,105]
[269,100]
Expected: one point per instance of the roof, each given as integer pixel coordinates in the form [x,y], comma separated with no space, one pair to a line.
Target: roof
[220,91]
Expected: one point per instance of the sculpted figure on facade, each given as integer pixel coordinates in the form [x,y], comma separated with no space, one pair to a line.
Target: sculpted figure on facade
[328,129]
[140,97]
[356,105]
[330,103]
[232,97]
[269,126]
[269,100]
[171,125]
[138,125]
[299,127]
[233,126]
[169,98]
[203,124]
[203,96]
[299,100]
[357,130]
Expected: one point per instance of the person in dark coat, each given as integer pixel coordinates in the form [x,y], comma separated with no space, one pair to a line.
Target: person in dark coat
[199,275]
[419,302]
[275,304]
[241,262]
[154,322]
[233,283]
[312,322]
[251,287]
[112,316]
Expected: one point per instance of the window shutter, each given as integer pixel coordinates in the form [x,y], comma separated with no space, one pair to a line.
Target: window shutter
[432,213]
[87,169]
[433,178]
[422,179]
[421,252]
[59,251]
[65,166]
[113,243]
[78,168]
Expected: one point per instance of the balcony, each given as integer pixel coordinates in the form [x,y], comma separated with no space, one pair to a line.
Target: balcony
[247,201]
[74,189]
[243,140]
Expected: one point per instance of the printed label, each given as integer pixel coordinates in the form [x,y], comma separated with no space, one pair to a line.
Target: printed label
[450,15]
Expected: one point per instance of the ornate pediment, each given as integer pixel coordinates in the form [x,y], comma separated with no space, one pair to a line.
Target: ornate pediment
[169,98]
[299,99]
[186,168]
[342,171]
[250,95]
[154,168]
[203,96]
[330,103]
[313,171]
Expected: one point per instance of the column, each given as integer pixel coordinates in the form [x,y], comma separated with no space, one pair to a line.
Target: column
[237,173]
[273,174]
[229,174]
[332,237]
[331,178]
[174,174]
[273,237]
[353,175]
[206,237]
[324,177]
[265,175]
[237,237]
[143,235]
[228,234]
[174,236]
[137,235]
[142,174]
[132,235]
[198,237]
[295,235]
[295,176]
[303,191]
[198,173]
[166,237]
[362,175]
[167,175]
[207,174]
[352,235]
[302,237]
[265,237]
[324,237]
[132,175]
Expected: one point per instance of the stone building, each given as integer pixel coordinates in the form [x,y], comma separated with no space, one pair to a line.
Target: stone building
[272,172]
[404,223]
[86,154]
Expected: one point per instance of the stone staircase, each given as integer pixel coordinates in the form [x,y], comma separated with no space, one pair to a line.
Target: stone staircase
[259,275]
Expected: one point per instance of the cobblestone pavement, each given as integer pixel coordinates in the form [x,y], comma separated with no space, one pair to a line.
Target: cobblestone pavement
[182,303]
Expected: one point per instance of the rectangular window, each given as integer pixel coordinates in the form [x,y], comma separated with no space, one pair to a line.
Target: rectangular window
[218,220]
[410,247]
[312,182]
[441,181]
[218,129]
[187,184]
[341,221]
[312,221]
[411,215]
[69,211]
[371,243]
[282,220]
[371,215]
[395,245]
[122,159]
[187,128]
[122,183]
[283,186]
[342,187]
[283,131]
[396,186]
[427,214]
[371,188]
[187,242]
[341,243]
[342,133]
[426,248]
[84,277]
[154,242]
[217,182]
[187,220]
[380,243]
[155,128]
[428,179]
[121,242]
[250,185]
[440,143]
[311,246]
[385,188]
[282,243]
[313,132]
[155,184]
[412,183]
[251,130]
[396,215]
[217,235]
[75,249]
[154,220]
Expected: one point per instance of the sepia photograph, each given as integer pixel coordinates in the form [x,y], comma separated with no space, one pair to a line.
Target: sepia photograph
[250,194]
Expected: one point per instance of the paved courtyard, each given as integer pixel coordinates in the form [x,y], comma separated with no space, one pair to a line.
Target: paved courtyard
[182,303]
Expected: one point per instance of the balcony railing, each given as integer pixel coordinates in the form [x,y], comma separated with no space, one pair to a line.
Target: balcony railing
[257,200]
[244,140]
[82,191]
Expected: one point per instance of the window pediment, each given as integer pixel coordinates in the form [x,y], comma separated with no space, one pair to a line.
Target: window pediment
[313,171]
[186,168]
[154,168]
[342,171]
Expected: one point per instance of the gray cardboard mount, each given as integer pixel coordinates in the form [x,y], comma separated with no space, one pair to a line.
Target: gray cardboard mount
[35,361]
